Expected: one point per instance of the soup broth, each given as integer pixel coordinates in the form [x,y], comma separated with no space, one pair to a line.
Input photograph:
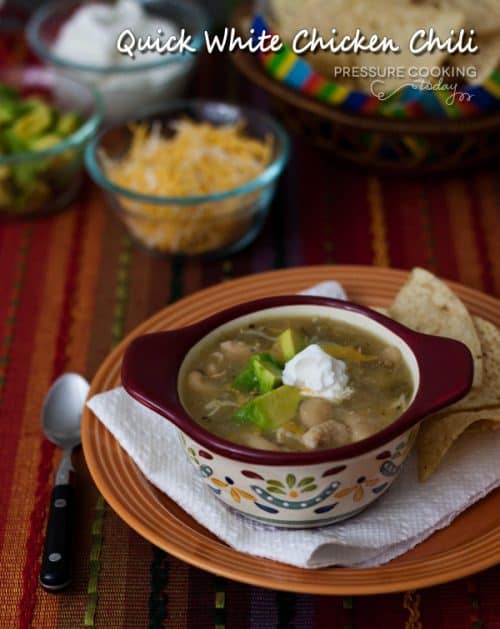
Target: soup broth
[306,383]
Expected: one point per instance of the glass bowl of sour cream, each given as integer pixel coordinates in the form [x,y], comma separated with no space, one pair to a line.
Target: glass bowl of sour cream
[136,54]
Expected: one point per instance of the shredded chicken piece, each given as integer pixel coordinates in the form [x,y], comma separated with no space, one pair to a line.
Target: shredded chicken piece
[215,405]
[200,383]
[390,356]
[314,411]
[399,403]
[283,435]
[237,350]
[331,433]
[258,333]
[360,427]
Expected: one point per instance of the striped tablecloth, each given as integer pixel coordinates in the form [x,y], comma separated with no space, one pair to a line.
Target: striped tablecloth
[73,284]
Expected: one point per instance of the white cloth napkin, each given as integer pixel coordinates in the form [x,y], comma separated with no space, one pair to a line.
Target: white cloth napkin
[409,513]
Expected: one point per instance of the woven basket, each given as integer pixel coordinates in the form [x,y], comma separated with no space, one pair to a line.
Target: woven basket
[424,146]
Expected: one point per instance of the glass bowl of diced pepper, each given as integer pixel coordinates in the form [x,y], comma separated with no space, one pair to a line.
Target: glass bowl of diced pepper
[45,122]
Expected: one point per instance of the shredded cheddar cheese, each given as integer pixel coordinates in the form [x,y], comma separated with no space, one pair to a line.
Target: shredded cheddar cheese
[199,159]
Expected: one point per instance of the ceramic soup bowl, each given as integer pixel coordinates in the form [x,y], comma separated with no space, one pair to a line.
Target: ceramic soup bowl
[297,489]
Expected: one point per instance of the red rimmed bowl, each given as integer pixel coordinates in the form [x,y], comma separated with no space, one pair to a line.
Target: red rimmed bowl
[345,479]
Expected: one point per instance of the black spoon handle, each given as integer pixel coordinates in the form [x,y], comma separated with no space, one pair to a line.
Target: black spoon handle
[55,571]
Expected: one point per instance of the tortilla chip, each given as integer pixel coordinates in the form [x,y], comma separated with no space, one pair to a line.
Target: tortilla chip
[484,425]
[400,20]
[437,435]
[381,310]
[481,15]
[428,305]
[485,61]
[288,17]
[488,394]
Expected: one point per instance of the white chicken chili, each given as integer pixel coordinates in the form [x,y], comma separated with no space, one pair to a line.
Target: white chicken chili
[296,384]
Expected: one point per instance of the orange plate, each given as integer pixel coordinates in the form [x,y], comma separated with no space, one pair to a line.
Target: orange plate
[471,543]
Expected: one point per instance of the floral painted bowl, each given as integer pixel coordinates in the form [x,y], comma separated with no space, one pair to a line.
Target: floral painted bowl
[297,489]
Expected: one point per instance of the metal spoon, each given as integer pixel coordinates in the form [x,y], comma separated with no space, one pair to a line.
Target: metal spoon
[61,416]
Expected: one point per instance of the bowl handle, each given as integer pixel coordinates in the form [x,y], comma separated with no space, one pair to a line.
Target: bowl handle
[446,372]
[151,364]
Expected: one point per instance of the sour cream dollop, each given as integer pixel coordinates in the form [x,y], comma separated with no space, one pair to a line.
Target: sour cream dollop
[318,374]
[90,34]
[89,37]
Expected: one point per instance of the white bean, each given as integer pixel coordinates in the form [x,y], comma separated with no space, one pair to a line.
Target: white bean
[256,440]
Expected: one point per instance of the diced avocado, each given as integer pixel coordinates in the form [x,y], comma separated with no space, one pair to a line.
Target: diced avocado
[268,374]
[291,342]
[25,174]
[7,111]
[261,374]
[33,123]
[66,160]
[270,410]
[246,380]
[7,93]
[33,197]
[67,124]
[13,143]
[45,142]
[27,104]
[29,125]
[5,195]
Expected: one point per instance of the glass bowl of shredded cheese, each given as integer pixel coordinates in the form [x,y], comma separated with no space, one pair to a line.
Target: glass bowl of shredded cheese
[195,178]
